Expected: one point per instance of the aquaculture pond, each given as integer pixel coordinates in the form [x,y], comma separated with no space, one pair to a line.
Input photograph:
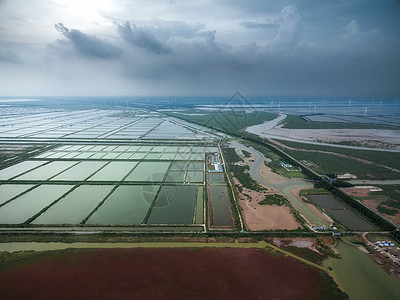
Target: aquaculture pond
[47,171]
[75,206]
[9,191]
[221,209]
[326,201]
[341,213]
[114,171]
[80,171]
[350,219]
[198,166]
[29,204]
[174,205]
[175,176]
[149,172]
[216,178]
[20,168]
[128,204]
[194,176]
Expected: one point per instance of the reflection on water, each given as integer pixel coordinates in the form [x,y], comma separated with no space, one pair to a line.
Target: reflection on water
[360,277]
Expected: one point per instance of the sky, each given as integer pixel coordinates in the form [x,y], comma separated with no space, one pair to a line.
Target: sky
[322,48]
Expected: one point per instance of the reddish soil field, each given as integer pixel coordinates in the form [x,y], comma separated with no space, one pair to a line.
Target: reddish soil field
[141,273]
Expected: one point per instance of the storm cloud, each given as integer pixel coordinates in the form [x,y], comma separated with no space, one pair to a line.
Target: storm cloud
[263,47]
[142,38]
[89,45]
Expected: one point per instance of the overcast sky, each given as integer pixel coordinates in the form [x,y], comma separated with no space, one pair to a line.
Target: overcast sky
[344,48]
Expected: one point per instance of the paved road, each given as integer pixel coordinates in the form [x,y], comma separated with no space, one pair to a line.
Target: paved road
[374,182]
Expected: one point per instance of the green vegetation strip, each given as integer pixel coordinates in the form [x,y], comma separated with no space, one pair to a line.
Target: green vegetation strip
[391,159]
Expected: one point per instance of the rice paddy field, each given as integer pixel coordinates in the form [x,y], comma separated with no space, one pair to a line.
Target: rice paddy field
[107,185]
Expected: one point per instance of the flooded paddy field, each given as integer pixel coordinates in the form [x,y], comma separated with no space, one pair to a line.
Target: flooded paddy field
[341,213]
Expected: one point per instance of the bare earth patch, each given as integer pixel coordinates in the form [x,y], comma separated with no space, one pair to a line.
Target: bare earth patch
[363,193]
[373,203]
[308,243]
[264,217]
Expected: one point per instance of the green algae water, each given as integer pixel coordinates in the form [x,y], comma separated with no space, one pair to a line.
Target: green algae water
[361,278]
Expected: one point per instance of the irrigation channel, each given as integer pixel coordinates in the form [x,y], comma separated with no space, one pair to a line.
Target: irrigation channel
[283,185]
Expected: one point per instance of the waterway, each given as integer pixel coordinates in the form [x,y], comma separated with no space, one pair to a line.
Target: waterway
[282,185]
[360,277]
[262,131]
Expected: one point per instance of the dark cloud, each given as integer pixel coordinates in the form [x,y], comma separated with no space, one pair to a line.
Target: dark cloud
[142,38]
[264,25]
[89,45]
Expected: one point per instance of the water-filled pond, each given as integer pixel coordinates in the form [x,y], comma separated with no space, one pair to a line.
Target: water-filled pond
[221,209]
[27,205]
[149,172]
[174,205]
[20,168]
[9,191]
[76,206]
[47,171]
[128,204]
[114,171]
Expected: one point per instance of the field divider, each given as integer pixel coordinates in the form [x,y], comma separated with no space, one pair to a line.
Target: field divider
[100,204]
[153,203]
[46,163]
[55,175]
[235,200]
[50,205]
[146,218]
[20,194]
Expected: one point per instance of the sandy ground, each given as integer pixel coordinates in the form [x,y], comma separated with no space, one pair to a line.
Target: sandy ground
[365,137]
[268,217]
[264,217]
[268,175]
[308,243]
